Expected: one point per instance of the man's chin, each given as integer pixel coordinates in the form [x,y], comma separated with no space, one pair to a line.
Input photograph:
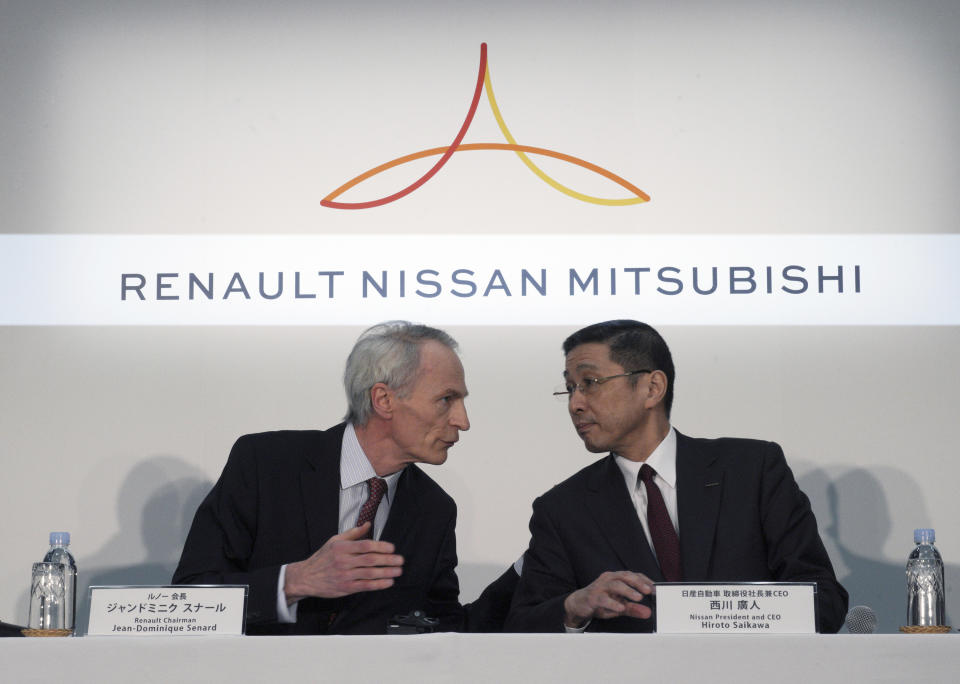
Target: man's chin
[434,458]
[592,447]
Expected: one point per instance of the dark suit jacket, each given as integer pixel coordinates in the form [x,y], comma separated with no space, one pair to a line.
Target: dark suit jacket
[741,518]
[277,502]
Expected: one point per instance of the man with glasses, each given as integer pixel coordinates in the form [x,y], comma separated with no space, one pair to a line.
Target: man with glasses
[660,506]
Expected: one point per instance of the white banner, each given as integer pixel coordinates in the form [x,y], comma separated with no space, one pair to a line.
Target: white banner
[479,279]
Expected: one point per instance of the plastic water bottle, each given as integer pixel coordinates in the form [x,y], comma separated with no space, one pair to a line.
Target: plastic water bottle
[925,587]
[59,553]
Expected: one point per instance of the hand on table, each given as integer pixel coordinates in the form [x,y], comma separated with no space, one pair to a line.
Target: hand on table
[611,595]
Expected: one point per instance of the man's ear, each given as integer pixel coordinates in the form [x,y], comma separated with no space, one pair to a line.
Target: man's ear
[656,389]
[382,399]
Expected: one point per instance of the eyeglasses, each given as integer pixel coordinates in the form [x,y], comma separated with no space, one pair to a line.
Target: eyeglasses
[589,386]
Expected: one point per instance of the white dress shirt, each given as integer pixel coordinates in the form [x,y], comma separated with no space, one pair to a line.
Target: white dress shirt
[355,470]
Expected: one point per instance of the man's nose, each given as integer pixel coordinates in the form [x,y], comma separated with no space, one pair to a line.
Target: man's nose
[577,400]
[458,417]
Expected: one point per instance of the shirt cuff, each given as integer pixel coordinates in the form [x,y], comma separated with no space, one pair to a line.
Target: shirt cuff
[285,614]
[577,630]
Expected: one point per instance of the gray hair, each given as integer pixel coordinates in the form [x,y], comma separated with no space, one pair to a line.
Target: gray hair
[388,353]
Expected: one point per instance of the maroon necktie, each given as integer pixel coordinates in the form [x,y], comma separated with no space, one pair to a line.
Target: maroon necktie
[378,487]
[665,540]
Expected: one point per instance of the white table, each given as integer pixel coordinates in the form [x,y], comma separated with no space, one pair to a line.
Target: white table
[525,658]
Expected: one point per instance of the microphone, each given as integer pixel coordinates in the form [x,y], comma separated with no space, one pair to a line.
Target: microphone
[861,620]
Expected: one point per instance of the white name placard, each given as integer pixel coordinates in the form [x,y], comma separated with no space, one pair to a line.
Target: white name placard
[747,607]
[181,610]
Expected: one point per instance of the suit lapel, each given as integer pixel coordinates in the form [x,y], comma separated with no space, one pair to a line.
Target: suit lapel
[699,489]
[612,508]
[320,488]
[404,519]
[405,510]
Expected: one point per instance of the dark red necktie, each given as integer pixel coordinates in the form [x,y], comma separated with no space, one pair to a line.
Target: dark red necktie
[378,487]
[665,540]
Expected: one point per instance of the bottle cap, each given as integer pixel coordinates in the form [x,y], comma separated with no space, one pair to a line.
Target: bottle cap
[59,539]
[924,535]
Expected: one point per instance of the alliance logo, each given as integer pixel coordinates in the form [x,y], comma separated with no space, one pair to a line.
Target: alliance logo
[522,151]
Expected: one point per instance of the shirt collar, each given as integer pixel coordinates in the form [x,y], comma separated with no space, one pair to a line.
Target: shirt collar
[355,467]
[663,460]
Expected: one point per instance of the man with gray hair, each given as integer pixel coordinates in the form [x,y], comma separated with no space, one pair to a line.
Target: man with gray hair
[337,531]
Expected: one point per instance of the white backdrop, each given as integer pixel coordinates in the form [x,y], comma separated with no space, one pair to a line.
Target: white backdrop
[754,124]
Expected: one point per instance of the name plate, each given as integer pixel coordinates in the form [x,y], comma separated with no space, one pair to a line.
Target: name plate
[181,610]
[739,608]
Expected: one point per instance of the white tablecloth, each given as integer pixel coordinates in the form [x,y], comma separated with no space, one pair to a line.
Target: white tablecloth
[526,658]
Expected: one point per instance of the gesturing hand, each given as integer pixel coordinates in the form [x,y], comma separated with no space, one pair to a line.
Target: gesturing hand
[346,564]
[610,595]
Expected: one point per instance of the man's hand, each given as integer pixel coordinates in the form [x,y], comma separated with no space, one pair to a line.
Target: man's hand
[612,594]
[346,564]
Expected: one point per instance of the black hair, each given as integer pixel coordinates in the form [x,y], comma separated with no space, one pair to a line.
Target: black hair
[633,345]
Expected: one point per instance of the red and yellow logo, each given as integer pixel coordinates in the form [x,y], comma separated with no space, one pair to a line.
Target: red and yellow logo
[484,83]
